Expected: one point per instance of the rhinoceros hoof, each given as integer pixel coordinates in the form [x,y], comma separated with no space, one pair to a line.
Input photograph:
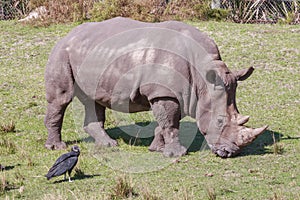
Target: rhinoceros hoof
[174,150]
[107,143]
[157,145]
[56,145]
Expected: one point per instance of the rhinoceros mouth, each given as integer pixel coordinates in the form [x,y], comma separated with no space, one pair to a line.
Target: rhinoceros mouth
[223,153]
[226,151]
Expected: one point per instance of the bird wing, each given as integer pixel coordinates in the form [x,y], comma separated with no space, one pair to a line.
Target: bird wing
[61,165]
[72,161]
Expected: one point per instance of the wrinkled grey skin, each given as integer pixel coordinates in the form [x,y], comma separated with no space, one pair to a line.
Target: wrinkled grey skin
[130,66]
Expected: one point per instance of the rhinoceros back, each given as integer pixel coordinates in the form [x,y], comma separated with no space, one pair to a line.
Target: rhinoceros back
[121,62]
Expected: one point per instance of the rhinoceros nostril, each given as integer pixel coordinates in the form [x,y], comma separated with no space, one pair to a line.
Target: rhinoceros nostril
[222,153]
[219,123]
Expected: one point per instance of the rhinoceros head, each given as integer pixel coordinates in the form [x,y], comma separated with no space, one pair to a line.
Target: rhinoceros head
[218,117]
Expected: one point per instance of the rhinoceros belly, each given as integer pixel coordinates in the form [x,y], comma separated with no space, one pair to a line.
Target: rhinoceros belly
[133,80]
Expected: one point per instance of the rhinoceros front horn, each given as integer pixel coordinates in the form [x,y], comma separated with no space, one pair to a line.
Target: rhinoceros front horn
[247,135]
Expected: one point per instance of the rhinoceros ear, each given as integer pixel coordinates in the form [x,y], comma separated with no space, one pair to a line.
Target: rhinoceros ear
[243,74]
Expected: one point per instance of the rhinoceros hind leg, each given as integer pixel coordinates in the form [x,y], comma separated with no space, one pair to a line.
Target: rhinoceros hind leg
[167,114]
[59,85]
[158,143]
[55,145]
[94,124]
[53,122]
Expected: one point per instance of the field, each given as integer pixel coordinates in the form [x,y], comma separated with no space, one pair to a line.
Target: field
[267,169]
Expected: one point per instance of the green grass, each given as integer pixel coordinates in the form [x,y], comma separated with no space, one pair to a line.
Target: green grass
[263,170]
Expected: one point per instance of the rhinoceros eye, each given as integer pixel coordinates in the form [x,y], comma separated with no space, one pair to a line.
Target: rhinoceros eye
[220,121]
[227,87]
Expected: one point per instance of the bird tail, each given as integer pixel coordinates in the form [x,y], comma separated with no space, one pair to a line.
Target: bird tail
[48,176]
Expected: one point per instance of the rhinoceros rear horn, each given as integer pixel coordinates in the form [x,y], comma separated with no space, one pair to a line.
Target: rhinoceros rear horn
[247,135]
[241,120]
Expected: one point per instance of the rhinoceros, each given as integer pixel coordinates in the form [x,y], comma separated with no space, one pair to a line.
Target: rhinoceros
[170,68]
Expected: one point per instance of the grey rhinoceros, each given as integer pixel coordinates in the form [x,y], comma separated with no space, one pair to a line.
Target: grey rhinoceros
[131,66]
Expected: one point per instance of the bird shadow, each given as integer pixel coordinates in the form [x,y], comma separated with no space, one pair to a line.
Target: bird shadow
[85,176]
[77,177]
[9,167]
[6,168]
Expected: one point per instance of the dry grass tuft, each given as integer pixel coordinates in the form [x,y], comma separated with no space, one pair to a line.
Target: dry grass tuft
[122,189]
[211,194]
[278,148]
[8,128]
[277,197]
[7,146]
[79,172]
[148,195]
[4,184]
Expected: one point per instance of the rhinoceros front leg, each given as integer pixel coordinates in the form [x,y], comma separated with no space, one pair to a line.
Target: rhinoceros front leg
[94,124]
[167,114]
[158,143]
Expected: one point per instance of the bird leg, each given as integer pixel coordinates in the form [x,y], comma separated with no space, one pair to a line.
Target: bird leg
[69,173]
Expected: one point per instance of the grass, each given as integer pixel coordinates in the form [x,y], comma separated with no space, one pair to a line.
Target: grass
[267,169]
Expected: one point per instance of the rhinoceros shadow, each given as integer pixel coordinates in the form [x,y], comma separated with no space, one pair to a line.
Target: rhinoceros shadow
[258,146]
[142,134]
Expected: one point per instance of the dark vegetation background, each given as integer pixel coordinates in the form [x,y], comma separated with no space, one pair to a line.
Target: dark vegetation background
[244,11]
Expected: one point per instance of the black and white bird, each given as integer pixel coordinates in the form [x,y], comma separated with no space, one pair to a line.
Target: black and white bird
[65,163]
